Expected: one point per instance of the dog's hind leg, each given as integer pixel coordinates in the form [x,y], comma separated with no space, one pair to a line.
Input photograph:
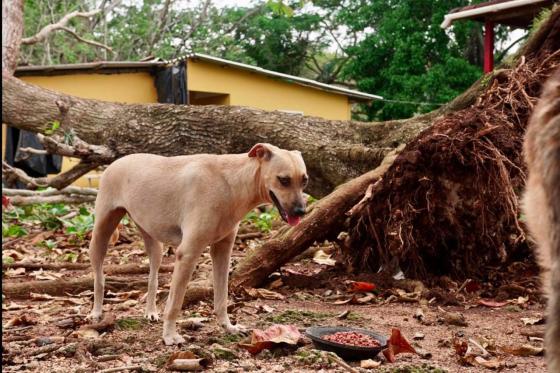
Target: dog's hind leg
[221,253]
[106,221]
[154,250]
[188,253]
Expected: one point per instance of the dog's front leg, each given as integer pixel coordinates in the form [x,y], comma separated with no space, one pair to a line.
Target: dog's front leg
[221,253]
[187,255]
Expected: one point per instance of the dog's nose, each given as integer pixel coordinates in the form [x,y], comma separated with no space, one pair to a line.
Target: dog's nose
[299,211]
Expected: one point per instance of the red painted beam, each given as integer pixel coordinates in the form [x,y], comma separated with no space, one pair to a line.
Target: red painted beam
[488,46]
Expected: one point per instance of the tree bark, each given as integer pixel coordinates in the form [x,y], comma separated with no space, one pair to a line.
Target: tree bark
[334,151]
[12,31]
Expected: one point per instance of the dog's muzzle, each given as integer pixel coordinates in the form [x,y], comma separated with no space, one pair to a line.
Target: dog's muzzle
[292,219]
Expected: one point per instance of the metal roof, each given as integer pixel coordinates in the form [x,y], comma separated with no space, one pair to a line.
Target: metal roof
[516,13]
[102,65]
[290,78]
[109,67]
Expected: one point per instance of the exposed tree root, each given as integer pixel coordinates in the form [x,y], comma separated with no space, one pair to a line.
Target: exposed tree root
[449,203]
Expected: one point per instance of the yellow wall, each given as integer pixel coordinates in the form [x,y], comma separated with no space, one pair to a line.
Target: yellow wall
[239,87]
[250,89]
[125,87]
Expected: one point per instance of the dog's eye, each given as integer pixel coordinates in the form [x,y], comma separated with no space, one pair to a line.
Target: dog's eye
[285,181]
[304,181]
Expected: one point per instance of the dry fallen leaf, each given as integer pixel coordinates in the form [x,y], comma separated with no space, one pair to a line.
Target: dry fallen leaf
[397,344]
[452,318]
[266,308]
[275,334]
[87,333]
[21,320]
[321,257]
[263,293]
[13,306]
[490,364]
[370,364]
[524,350]
[491,303]
[180,355]
[368,298]
[125,305]
[17,272]
[533,320]
[359,286]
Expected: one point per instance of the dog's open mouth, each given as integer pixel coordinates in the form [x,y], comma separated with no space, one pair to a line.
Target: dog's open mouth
[292,220]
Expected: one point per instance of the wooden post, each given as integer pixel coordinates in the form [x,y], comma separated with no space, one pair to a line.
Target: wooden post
[488,46]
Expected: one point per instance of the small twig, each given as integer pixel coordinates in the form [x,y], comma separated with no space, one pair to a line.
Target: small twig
[465,283]
[250,235]
[70,190]
[86,41]
[33,151]
[60,181]
[78,149]
[484,351]
[337,360]
[13,173]
[121,368]
[47,30]
[43,350]
[21,328]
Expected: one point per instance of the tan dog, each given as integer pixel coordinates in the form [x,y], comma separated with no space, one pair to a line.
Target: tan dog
[192,202]
[542,204]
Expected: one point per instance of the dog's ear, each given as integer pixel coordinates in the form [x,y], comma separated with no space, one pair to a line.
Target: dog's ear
[261,151]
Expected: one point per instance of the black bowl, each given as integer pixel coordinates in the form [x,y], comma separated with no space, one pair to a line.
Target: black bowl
[346,352]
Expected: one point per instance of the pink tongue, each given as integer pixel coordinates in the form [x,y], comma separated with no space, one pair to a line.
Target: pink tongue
[293,220]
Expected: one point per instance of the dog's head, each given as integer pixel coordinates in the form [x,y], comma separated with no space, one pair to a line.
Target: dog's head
[284,176]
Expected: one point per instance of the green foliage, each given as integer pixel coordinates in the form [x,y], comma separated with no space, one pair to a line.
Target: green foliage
[409,58]
[280,40]
[393,48]
[13,230]
[53,126]
[50,217]
[263,221]
[540,19]
[80,225]
[48,244]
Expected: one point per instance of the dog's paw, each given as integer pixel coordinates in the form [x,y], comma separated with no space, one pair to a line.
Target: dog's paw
[173,339]
[151,315]
[236,329]
[94,316]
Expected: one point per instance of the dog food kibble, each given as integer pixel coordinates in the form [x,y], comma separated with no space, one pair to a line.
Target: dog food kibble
[353,339]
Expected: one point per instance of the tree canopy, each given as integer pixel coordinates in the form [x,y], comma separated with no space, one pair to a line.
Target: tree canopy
[394,48]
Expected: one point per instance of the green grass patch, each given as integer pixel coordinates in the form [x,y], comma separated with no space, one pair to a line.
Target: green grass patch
[129,323]
[231,338]
[424,368]
[353,316]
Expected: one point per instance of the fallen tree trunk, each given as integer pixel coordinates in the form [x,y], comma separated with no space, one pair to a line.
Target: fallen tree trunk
[71,286]
[20,290]
[121,269]
[326,217]
[334,151]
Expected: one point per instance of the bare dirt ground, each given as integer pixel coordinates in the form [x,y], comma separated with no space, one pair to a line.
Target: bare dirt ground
[45,333]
